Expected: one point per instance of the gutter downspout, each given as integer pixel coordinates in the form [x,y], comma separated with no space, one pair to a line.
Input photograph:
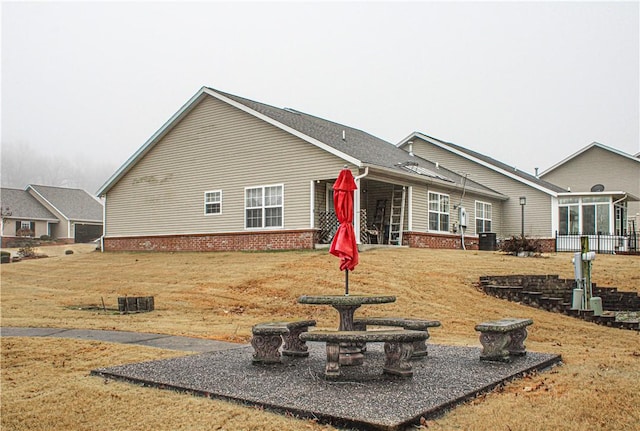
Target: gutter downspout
[356,206]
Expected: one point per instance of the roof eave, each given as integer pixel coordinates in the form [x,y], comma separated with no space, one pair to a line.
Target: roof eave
[616,193]
[166,127]
[346,157]
[585,149]
[435,181]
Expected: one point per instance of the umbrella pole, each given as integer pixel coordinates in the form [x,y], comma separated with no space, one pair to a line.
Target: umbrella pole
[346,282]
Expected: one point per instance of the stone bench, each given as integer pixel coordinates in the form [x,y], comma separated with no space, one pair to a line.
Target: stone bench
[268,337]
[503,338]
[398,347]
[419,347]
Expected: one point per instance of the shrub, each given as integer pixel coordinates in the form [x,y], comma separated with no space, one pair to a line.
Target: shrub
[45,238]
[24,232]
[27,251]
[521,244]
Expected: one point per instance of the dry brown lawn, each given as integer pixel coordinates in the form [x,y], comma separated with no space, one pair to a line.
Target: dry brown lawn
[46,383]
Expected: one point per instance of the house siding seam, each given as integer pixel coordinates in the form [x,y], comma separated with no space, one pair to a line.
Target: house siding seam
[244,241]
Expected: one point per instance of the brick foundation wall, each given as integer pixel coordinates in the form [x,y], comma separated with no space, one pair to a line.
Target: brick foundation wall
[240,241]
[548,245]
[430,240]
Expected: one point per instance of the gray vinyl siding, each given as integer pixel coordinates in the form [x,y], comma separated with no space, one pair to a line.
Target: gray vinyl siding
[421,208]
[215,147]
[599,166]
[538,211]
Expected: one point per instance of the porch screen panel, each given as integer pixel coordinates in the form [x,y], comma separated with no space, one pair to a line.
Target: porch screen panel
[595,215]
[569,216]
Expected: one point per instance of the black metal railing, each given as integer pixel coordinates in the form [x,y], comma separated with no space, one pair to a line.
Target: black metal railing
[600,243]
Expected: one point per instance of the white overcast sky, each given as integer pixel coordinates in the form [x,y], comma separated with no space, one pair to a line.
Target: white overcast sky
[526,83]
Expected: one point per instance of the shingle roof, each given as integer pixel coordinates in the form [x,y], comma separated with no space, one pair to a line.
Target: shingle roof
[24,206]
[359,147]
[74,204]
[500,165]
[363,146]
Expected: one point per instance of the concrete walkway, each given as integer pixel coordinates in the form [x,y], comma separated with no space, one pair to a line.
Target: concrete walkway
[161,341]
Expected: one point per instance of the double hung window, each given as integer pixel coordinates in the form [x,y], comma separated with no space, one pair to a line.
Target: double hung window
[438,212]
[213,202]
[264,207]
[483,217]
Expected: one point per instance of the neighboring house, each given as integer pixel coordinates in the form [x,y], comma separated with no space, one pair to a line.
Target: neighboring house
[64,214]
[540,197]
[228,173]
[552,212]
[24,216]
[605,190]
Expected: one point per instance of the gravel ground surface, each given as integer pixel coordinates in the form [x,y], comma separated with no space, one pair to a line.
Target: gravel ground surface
[363,398]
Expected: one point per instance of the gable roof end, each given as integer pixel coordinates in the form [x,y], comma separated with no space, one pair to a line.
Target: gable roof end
[263,112]
[588,147]
[73,204]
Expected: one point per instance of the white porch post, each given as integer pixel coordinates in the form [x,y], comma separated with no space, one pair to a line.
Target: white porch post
[312,203]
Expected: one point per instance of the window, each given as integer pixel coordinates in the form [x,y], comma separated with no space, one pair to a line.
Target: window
[263,207]
[213,202]
[25,228]
[483,217]
[438,212]
[587,215]
[595,219]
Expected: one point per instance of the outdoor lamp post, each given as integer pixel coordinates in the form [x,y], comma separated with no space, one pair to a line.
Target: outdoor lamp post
[523,202]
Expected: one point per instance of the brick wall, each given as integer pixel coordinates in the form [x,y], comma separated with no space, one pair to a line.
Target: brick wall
[547,245]
[245,241]
[430,240]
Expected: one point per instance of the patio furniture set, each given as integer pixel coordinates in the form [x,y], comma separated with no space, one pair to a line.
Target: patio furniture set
[501,339]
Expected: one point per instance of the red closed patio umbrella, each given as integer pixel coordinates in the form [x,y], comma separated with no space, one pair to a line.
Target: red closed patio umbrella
[344,242]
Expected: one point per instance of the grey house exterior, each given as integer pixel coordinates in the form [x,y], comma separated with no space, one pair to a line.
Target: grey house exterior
[229,173]
[64,214]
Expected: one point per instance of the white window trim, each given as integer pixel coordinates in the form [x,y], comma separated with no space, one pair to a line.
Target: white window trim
[581,204]
[429,211]
[475,210]
[263,207]
[205,202]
